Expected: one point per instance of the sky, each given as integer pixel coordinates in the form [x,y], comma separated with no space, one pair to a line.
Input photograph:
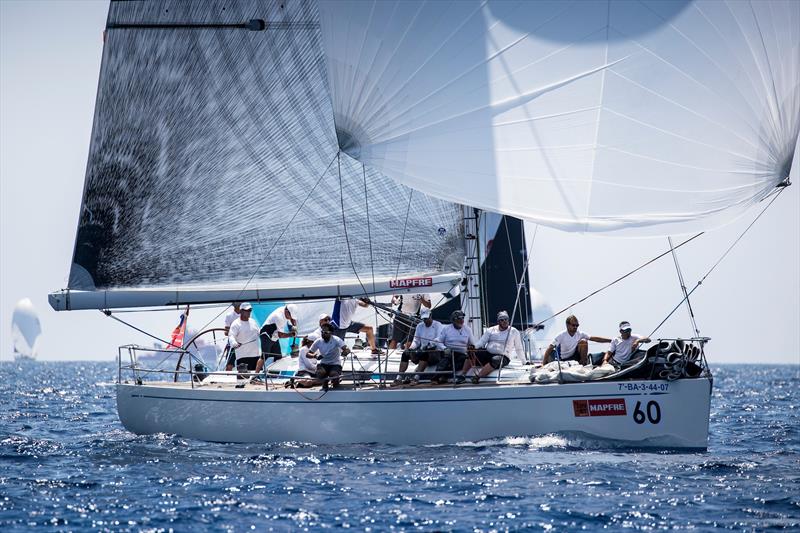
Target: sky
[49,65]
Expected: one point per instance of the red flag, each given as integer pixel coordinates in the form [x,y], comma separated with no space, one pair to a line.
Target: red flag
[179,332]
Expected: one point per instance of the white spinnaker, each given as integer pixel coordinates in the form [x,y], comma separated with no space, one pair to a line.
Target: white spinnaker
[25,328]
[638,118]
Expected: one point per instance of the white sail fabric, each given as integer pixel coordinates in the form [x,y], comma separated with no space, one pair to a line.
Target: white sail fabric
[637,118]
[213,168]
[25,329]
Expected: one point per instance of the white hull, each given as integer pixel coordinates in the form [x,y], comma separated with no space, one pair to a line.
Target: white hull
[677,418]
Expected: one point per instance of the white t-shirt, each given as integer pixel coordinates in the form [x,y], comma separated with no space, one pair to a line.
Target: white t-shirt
[278,317]
[246,334]
[346,312]
[622,348]
[330,351]
[425,336]
[304,362]
[411,302]
[455,339]
[230,317]
[508,342]
[568,343]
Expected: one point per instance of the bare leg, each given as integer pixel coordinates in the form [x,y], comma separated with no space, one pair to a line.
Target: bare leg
[259,364]
[485,370]
[370,336]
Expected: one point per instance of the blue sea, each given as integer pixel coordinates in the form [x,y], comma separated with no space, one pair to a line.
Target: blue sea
[66,463]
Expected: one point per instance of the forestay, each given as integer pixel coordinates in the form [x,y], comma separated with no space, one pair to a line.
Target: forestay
[213,161]
[637,118]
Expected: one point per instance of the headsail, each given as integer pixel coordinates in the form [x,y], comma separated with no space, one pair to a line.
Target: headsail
[213,168]
[633,117]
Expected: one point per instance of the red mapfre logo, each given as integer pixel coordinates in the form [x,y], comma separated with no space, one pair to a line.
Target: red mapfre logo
[606,407]
[410,283]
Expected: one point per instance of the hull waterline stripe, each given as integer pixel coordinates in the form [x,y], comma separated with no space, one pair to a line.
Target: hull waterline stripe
[149,396]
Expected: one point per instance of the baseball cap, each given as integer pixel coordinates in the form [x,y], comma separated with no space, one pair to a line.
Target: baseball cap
[292,308]
[245,307]
[457,314]
[323,316]
[502,314]
[424,313]
[625,326]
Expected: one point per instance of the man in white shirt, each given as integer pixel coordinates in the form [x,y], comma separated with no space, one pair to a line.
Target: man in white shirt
[457,337]
[243,337]
[423,350]
[330,350]
[232,315]
[343,311]
[410,305]
[280,324]
[571,344]
[624,346]
[495,348]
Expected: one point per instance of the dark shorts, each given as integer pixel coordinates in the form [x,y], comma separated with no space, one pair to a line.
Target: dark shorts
[323,370]
[231,357]
[269,347]
[249,361]
[432,357]
[573,357]
[401,330]
[446,362]
[354,327]
[487,358]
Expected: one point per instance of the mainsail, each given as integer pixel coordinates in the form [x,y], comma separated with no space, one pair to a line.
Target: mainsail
[636,118]
[213,171]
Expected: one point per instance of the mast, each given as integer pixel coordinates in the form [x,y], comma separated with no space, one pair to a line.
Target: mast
[472,299]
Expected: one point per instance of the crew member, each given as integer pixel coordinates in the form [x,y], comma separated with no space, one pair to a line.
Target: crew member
[624,346]
[458,338]
[571,344]
[342,320]
[423,350]
[496,347]
[243,337]
[280,324]
[410,305]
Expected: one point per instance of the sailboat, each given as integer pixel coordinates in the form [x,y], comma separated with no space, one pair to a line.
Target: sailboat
[307,151]
[25,330]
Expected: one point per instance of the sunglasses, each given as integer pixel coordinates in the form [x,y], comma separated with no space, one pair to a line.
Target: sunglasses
[502,320]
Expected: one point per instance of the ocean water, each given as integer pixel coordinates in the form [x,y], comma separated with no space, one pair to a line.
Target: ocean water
[66,463]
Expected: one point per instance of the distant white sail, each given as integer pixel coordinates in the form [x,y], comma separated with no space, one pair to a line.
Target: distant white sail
[25,329]
[639,117]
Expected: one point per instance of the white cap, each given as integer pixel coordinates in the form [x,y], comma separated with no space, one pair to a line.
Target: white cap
[424,313]
[292,308]
[625,326]
[245,307]
[323,316]
[502,314]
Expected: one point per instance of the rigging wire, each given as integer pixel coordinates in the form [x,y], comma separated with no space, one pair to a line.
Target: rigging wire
[683,288]
[656,258]
[715,265]
[372,266]
[403,239]
[344,223]
[266,255]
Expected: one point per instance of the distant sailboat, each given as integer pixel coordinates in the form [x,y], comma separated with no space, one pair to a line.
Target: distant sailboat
[25,330]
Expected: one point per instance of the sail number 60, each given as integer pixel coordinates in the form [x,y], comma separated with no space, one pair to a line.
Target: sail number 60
[652,414]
